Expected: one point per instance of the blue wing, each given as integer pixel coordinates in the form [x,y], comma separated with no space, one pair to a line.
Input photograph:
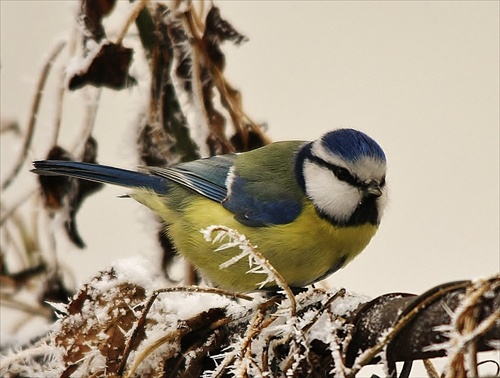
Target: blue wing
[261,199]
[206,177]
[253,208]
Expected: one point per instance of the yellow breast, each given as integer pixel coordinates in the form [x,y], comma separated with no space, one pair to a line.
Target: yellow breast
[302,251]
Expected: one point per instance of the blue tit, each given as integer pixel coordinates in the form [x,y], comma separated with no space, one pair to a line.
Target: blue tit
[309,207]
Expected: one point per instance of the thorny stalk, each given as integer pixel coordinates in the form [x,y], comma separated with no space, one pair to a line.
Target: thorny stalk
[248,249]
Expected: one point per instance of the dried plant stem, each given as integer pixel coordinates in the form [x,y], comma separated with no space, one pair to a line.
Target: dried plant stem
[478,331]
[235,107]
[59,107]
[253,329]
[226,91]
[92,105]
[131,18]
[430,369]
[469,326]
[327,304]
[246,345]
[33,114]
[71,49]
[7,301]
[197,15]
[168,338]
[6,214]
[255,326]
[147,307]
[265,351]
[228,360]
[199,289]
[369,354]
[25,244]
[466,330]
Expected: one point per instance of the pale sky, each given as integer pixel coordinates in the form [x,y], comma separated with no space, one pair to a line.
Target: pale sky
[420,77]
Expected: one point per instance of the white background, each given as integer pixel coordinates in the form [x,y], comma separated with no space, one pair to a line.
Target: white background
[422,78]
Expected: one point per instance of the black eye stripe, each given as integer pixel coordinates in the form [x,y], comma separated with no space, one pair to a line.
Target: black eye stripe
[382,182]
[341,173]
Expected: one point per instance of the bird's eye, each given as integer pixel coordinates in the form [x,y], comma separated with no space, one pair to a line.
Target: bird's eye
[343,174]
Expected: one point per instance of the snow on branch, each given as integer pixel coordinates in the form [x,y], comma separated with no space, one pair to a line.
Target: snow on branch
[120,324]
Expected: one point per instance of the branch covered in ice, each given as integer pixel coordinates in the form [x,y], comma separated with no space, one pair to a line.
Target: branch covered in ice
[122,325]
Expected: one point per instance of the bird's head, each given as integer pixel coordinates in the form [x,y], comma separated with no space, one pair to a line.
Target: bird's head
[343,174]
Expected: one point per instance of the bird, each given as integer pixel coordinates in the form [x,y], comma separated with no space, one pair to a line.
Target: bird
[309,207]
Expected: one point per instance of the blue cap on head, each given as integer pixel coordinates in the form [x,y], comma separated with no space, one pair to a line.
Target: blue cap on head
[351,144]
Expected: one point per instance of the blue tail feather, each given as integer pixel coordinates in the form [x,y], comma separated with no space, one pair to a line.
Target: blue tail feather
[100,173]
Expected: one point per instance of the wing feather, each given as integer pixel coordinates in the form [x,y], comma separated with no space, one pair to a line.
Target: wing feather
[206,177]
[259,188]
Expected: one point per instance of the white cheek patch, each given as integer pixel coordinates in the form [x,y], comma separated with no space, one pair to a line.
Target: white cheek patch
[335,198]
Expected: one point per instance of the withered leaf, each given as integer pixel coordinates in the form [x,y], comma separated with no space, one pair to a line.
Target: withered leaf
[91,14]
[67,194]
[103,7]
[84,189]
[98,319]
[108,68]
[169,122]
[198,342]
[182,51]
[218,30]
[254,140]
[55,188]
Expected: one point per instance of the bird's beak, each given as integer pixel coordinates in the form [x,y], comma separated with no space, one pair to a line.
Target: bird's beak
[373,189]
